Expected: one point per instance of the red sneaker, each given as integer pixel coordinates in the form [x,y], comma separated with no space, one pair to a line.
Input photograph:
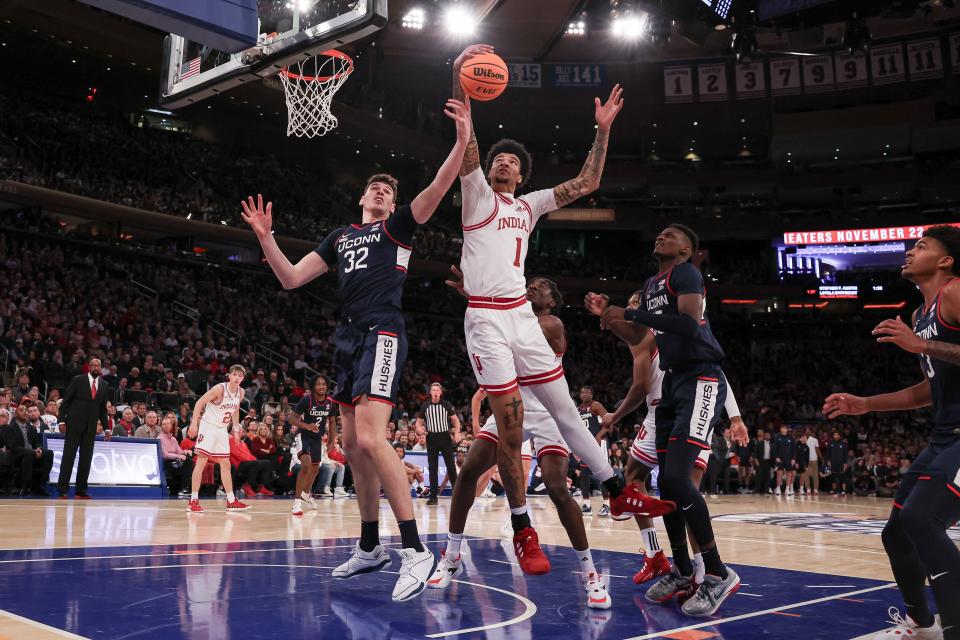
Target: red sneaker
[195,507]
[532,560]
[248,491]
[634,502]
[653,567]
[265,492]
[236,505]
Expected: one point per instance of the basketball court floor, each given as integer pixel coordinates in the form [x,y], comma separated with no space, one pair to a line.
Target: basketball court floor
[811,568]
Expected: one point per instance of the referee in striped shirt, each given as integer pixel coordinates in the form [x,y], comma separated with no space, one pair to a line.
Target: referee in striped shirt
[440,418]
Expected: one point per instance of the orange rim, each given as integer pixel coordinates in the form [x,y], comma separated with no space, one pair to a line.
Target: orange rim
[332,53]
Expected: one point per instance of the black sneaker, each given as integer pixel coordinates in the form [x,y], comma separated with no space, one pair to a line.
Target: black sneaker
[432,501]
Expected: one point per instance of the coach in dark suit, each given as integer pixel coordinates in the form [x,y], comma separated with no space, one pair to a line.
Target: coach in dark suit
[22,442]
[84,404]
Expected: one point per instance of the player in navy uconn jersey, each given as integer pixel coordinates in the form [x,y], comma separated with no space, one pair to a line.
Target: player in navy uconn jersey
[313,416]
[694,389]
[927,502]
[371,260]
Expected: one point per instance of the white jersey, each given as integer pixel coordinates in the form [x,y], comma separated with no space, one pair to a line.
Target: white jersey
[221,414]
[656,388]
[496,234]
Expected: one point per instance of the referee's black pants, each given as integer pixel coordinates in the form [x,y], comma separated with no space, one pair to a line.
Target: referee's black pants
[440,444]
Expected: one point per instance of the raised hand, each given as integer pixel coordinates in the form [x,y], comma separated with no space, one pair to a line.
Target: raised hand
[606,113]
[844,404]
[258,217]
[900,334]
[739,432]
[459,112]
[471,51]
[596,303]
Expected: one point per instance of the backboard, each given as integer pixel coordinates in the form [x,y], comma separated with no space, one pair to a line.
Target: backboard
[289,31]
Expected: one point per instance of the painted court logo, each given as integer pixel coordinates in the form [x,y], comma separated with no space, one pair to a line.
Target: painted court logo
[835,522]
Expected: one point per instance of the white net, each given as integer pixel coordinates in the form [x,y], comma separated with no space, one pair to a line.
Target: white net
[309,87]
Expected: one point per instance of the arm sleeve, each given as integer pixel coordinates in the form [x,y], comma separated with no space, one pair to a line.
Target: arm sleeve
[540,203]
[401,225]
[685,278]
[730,404]
[328,247]
[478,201]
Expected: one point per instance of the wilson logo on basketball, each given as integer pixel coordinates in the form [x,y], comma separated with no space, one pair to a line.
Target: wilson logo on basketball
[480,72]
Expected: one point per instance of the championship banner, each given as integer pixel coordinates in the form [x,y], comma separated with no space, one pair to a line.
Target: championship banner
[886,64]
[850,71]
[785,77]
[751,80]
[712,82]
[925,59]
[677,84]
[817,74]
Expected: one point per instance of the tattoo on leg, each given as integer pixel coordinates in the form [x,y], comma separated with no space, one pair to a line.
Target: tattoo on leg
[516,406]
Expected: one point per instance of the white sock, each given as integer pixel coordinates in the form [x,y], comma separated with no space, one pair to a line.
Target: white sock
[195,495]
[453,545]
[296,505]
[650,541]
[231,497]
[699,571]
[519,511]
[305,496]
[586,563]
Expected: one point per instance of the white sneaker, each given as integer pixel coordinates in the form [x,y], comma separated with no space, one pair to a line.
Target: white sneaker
[907,628]
[488,494]
[777,491]
[803,491]
[789,491]
[415,568]
[339,492]
[296,509]
[363,562]
[445,572]
[308,500]
[597,595]
[325,493]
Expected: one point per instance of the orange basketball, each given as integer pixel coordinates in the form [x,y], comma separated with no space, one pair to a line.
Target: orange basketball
[484,77]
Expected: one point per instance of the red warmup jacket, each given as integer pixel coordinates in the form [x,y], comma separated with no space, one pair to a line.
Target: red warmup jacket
[239,453]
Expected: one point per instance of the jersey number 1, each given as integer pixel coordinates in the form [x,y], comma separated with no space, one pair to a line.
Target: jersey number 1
[516,260]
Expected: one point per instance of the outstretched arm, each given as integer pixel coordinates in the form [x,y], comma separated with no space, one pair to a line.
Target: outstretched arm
[290,275]
[471,156]
[639,386]
[426,203]
[896,331]
[840,404]
[589,179]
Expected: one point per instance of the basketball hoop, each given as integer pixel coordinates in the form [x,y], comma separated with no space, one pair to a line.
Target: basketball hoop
[309,87]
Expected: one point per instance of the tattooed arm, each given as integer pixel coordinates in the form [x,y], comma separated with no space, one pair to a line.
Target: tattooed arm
[471,157]
[589,179]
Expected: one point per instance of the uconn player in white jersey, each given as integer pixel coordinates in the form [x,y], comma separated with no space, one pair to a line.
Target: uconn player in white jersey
[646,389]
[215,413]
[504,341]
[371,260]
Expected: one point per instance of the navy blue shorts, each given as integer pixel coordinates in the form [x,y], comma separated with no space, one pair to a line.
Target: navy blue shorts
[938,462]
[311,443]
[371,352]
[690,406]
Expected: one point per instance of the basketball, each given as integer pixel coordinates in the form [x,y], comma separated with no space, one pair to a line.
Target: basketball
[484,77]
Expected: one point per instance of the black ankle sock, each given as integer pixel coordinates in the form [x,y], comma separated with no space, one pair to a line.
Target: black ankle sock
[409,537]
[614,486]
[369,535]
[681,558]
[519,522]
[712,563]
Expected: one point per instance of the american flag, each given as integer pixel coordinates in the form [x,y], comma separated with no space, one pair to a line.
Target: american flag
[190,68]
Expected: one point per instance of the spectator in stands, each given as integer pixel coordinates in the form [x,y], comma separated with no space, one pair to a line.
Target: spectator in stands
[173,456]
[22,442]
[6,457]
[51,423]
[168,384]
[22,387]
[183,417]
[150,428]
[421,444]
[761,456]
[6,398]
[331,467]
[263,447]
[250,474]
[140,414]
[414,473]
[124,427]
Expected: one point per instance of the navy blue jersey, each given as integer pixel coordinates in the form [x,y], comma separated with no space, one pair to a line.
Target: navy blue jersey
[660,295]
[316,412]
[944,377]
[590,420]
[371,261]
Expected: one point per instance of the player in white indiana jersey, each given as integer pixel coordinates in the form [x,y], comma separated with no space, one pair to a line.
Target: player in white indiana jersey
[504,341]
[214,414]
[646,388]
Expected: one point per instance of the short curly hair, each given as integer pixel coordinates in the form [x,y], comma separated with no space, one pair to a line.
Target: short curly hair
[507,145]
